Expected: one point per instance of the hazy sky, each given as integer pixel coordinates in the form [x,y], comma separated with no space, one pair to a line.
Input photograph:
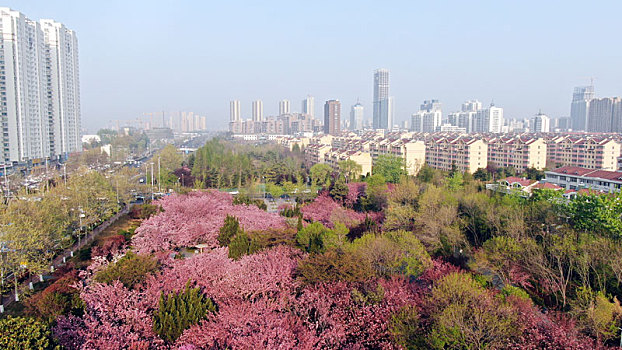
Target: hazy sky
[141,56]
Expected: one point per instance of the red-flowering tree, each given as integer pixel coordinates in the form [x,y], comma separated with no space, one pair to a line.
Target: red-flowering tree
[196,218]
[325,210]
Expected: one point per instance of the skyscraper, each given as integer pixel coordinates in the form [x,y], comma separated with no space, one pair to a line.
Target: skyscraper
[284,107]
[257,111]
[579,108]
[356,117]
[383,103]
[332,117]
[39,89]
[308,106]
[234,111]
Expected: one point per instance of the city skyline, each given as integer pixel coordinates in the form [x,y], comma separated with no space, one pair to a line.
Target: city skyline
[532,68]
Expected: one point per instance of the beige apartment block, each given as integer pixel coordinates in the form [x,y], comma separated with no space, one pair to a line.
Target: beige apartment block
[314,153]
[465,153]
[363,159]
[519,152]
[591,152]
[412,151]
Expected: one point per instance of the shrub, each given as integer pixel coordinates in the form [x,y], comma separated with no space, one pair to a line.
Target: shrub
[333,265]
[397,252]
[129,270]
[178,311]
[404,327]
[273,237]
[59,298]
[19,333]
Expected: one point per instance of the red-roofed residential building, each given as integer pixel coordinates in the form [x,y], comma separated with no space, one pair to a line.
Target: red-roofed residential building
[592,152]
[463,152]
[519,152]
[577,178]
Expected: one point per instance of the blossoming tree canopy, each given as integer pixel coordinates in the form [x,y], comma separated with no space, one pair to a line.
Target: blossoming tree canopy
[196,218]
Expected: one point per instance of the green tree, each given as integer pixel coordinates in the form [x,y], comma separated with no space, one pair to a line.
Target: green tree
[339,190]
[597,315]
[455,182]
[350,169]
[397,252]
[320,174]
[311,237]
[17,333]
[482,175]
[178,311]
[393,168]
[466,316]
[229,229]
[241,245]
[333,265]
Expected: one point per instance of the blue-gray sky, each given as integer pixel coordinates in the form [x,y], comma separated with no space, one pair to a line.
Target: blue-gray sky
[152,55]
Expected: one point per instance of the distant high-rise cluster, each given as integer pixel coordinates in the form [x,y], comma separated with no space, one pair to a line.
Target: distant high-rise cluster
[176,121]
[383,103]
[592,114]
[39,89]
[286,122]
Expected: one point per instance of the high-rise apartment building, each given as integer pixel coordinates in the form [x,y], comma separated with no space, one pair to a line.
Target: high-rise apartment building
[332,117]
[356,117]
[488,120]
[257,111]
[579,107]
[308,106]
[234,111]
[541,123]
[604,114]
[429,117]
[284,107]
[383,103]
[39,89]
[62,68]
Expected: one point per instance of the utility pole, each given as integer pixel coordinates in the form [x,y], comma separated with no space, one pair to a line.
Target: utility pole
[152,179]
[6,182]
[159,177]
[65,173]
